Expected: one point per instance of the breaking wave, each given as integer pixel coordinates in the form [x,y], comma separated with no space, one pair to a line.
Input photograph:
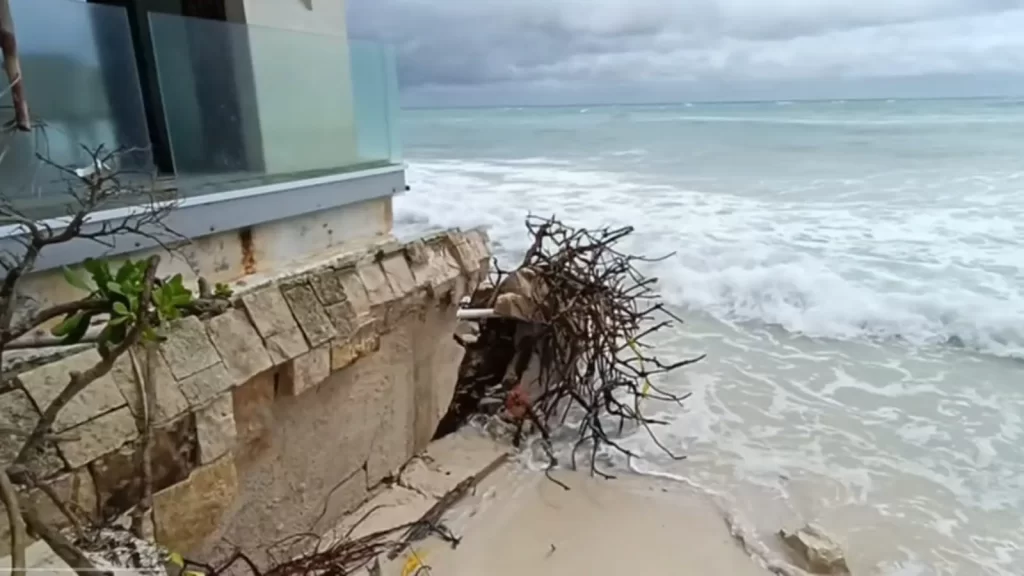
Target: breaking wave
[920,272]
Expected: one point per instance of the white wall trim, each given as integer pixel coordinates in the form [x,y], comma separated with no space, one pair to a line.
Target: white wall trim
[206,214]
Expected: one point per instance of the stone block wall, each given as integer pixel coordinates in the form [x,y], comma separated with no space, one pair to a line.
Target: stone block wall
[274,418]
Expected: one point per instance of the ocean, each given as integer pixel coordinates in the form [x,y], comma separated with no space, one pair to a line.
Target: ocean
[854,271]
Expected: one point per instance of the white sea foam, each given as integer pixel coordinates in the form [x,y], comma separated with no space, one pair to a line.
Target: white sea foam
[920,273]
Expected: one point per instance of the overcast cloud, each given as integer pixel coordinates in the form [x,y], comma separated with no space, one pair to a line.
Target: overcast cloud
[553,51]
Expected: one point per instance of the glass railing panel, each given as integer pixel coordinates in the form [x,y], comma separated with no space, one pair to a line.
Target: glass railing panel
[375,94]
[247,105]
[83,92]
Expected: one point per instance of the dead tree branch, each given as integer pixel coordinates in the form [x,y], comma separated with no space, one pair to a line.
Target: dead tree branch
[61,546]
[19,540]
[579,312]
[144,458]
[12,67]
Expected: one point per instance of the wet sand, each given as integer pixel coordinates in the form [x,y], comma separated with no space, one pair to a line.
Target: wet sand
[519,522]
[598,527]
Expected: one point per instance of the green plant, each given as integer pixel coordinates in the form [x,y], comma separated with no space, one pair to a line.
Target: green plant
[117,294]
[222,290]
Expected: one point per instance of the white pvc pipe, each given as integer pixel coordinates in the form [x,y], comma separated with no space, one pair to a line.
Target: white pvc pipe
[475,313]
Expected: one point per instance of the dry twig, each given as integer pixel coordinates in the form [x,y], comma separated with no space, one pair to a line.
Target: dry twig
[19,540]
[144,456]
[581,311]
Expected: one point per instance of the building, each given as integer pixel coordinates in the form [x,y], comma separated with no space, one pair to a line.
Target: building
[278,136]
[276,131]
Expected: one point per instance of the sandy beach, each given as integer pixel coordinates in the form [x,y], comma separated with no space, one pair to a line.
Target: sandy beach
[517,521]
[530,525]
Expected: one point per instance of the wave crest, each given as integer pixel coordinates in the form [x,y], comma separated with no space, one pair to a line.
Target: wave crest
[919,272]
[807,297]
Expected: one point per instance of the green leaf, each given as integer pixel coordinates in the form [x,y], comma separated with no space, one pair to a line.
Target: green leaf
[75,279]
[68,325]
[104,336]
[150,335]
[117,332]
[119,320]
[93,266]
[77,330]
[181,299]
[99,269]
[115,288]
[125,272]
[120,309]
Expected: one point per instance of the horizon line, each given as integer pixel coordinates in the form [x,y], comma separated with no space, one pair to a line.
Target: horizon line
[712,102]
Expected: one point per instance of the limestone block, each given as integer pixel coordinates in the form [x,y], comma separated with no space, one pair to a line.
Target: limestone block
[254,417]
[364,340]
[376,282]
[286,345]
[174,455]
[269,311]
[204,386]
[398,274]
[328,287]
[75,488]
[329,284]
[355,290]
[187,513]
[169,402]
[46,382]
[478,243]
[97,437]
[467,256]
[215,429]
[416,253]
[188,349]
[274,321]
[239,345]
[396,311]
[431,263]
[17,411]
[310,314]
[306,371]
[344,318]
[816,550]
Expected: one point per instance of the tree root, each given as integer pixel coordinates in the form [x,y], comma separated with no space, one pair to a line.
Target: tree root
[570,339]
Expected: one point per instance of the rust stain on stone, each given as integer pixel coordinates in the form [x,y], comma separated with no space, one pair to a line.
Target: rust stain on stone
[248,251]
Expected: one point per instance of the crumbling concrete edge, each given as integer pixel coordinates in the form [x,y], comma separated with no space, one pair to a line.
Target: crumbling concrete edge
[424,481]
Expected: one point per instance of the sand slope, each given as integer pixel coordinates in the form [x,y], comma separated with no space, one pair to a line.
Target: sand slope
[519,522]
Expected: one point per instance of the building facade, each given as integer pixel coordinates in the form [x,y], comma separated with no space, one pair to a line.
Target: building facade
[276,133]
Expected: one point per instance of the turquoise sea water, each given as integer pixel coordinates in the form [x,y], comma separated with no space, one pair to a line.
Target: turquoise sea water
[854,269]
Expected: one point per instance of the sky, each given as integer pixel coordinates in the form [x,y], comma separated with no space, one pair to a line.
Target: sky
[536,52]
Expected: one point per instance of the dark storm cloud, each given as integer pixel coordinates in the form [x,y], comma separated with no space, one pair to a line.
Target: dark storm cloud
[458,44]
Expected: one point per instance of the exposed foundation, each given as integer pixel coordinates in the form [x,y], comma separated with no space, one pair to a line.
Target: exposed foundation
[276,417]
